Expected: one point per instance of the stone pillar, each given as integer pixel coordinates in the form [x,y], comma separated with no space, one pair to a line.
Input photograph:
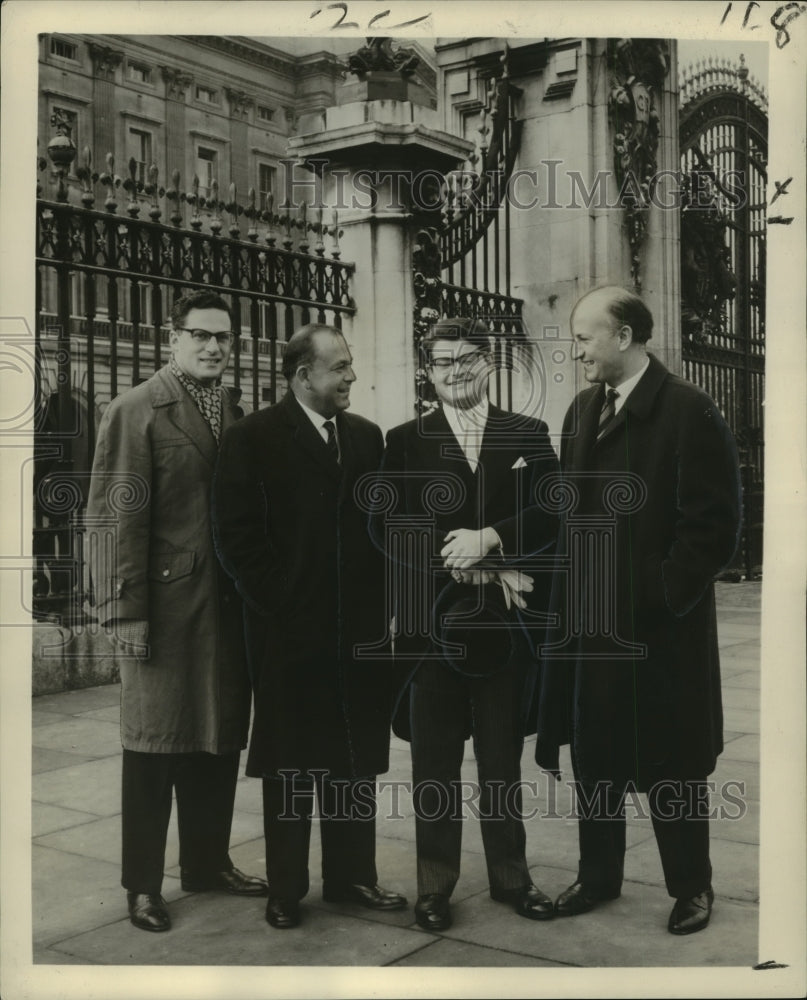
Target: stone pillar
[239,150]
[662,266]
[375,159]
[176,85]
[104,62]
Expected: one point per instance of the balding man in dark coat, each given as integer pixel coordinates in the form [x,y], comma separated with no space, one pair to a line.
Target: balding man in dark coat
[290,533]
[633,678]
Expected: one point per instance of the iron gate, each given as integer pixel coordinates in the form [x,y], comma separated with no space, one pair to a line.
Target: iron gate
[724,142]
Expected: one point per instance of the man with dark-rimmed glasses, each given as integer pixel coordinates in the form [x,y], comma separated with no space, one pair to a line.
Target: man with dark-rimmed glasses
[174,615]
[464,479]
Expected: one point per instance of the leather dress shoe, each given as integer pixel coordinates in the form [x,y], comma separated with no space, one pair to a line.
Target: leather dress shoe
[282,913]
[580,898]
[371,896]
[690,915]
[232,881]
[528,901]
[148,912]
[433,912]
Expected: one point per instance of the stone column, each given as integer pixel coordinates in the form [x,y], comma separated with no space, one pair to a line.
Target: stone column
[376,159]
[176,85]
[104,62]
[240,103]
[662,281]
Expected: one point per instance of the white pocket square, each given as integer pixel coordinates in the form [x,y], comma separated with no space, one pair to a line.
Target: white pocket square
[519,463]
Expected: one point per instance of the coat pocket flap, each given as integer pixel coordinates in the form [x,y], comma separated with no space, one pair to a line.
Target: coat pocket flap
[164,567]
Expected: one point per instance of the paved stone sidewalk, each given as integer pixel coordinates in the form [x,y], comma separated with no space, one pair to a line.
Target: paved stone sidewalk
[79,914]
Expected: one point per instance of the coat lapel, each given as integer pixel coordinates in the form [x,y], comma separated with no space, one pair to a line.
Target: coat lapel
[440,452]
[498,453]
[307,437]
[640,401]
[183,413]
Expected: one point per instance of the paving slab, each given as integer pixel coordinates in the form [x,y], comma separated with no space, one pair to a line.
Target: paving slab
[110,714]
[745,679]
[46,818]
[744,720]
[72,894]
[735,869]
[92,737]
[743,616]
[461,954]
[745,747]
[743,776]
[46,717]
[744,829]
[739,663]
[746,698]
[93,787]
[324,938]
[629,931]
[52,760]
[80,700]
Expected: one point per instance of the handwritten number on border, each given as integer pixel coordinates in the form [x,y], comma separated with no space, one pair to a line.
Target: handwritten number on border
[342,23]
[792,10]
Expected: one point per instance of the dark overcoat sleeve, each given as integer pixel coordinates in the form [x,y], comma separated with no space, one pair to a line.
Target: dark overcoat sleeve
[708,506]
[240,521]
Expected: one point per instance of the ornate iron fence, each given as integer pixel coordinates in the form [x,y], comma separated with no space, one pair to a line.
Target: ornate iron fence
[105,284]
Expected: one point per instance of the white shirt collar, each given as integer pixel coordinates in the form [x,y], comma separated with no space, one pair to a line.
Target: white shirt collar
[317,419]
[627,387]
[468,426]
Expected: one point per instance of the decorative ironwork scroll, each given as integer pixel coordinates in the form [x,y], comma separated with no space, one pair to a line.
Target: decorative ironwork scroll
[638,67]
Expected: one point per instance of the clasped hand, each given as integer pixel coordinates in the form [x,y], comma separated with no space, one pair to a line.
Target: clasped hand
[465,547]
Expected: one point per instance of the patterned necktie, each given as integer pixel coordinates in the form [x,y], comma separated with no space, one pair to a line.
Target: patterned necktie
[608,411]
[333,444]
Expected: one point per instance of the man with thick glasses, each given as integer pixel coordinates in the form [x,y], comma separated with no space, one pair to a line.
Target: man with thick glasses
[466,474]
[175,616]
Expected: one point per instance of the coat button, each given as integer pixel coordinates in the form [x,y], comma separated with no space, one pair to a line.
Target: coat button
[166,572]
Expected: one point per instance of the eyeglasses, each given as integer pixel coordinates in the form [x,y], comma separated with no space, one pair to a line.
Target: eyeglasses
[461,361]
[202,337]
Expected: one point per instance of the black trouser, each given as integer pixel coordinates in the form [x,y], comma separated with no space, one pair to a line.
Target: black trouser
[679,812]
[205,790]
[346,825]
[441,702]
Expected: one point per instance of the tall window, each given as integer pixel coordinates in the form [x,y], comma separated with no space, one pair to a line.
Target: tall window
[205,169]
[266,184]
[140,150]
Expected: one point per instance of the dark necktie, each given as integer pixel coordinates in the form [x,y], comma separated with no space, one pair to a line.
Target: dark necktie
[333,446]
[608,411]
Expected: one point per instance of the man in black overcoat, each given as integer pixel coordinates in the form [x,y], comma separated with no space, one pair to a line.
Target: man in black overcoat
[290,533]
[462,484]
[633,680]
